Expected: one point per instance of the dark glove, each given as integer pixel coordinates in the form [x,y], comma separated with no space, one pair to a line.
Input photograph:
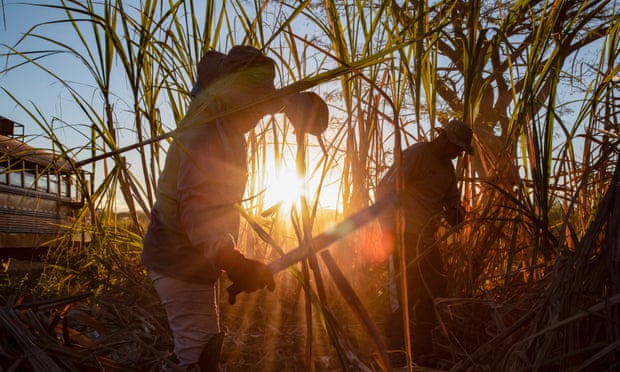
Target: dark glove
[455,216]
[307,112]
[247,275]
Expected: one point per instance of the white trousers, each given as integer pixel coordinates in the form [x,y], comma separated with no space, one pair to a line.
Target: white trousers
[193,314]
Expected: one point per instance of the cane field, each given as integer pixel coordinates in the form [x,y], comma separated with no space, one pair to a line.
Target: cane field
[533,271]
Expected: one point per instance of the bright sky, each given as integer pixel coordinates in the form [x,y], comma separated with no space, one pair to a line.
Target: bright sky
[30,85]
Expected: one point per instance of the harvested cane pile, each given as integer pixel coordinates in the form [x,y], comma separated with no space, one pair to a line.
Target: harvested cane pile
[79,333]
[126,330]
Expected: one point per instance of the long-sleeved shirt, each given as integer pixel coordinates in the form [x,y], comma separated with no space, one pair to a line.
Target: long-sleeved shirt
[196,212]
[430,189]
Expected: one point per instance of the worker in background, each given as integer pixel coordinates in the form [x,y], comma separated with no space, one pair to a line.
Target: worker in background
[430,196]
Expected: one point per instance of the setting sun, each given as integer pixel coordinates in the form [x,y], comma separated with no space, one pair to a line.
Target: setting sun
[283,187]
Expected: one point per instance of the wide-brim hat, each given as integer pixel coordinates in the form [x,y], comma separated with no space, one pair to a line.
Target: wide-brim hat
[460,134]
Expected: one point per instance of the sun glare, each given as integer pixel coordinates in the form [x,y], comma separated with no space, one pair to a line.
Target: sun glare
[283,187]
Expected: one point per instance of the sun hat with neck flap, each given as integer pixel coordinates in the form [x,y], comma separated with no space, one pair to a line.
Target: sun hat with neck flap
[247,70]
[244,67]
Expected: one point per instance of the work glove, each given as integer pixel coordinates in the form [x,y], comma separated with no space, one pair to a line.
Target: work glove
[455,216]
[307,112]
[247,275]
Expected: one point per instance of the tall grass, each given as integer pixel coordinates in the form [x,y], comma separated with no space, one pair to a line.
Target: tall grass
[537,190]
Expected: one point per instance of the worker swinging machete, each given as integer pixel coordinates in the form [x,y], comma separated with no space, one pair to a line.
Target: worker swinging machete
[323,240]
